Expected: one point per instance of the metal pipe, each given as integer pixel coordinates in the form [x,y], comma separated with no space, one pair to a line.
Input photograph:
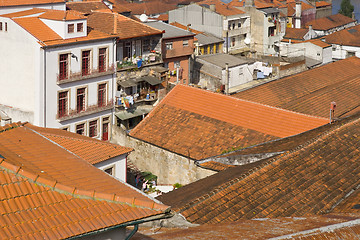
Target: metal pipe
[136,227]
[226,78]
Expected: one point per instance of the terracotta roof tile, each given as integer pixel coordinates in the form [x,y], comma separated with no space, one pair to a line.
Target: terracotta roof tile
[92,150]
[47,192]
[319,42]
[124,28]
[330,22]
[86,7]
[320,4]
[258,4]
[149,7]
[312,91]
[62,15]
[296,33]
[45,35]
[347,37]
[179,25]
[311,179]
[215,166]
[7,3]
[202,124]
[221,7]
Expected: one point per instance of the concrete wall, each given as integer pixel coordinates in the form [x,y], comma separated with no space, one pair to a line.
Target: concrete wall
[61,28]
[342,52]
[169,167]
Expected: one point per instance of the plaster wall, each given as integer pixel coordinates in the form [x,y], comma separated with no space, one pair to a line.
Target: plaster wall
[19,67]
[118,164]
[169,167]
[61,28]
[342,52]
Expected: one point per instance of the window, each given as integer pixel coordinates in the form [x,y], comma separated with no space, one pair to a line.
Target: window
[239,24]
[146,45]
[63,104]
[5,27]
[205,49]
[85,68]
[102,95]
[71,28]
[169,45]
[93,128]
[217,48]
[102,59]
[185,43]
[80,129]
[176,64]
[80,99]
[127,49]
[63,66]
[233,42]
[109,171]
[80,27]
[65,129]
[1,26]
[211,49]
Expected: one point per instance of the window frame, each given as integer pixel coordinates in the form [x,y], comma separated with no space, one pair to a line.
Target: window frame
[112,167]
[65,74]
[84,99]
[80,27]
[84,128]
[103,59]
[65,112]
[104,94]
[186,43]
[169,45]
[71,28]
[86,62]
[93,128]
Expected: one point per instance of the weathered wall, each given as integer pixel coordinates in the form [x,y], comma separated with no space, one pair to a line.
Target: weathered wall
[169,167]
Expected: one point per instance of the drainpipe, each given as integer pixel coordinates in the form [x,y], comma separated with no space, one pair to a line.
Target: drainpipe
[136,227]
[113,89]
[44,87]
[226,78]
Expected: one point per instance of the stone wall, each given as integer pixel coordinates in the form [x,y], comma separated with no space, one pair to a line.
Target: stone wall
[169,167]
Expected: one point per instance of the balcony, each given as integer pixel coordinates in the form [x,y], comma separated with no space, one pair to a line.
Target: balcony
[74,113]
[137,62]
[76,76]
[144,98]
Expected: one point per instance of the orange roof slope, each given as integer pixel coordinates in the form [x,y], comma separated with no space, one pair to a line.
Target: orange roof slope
[119,25]
[205,123]
[327,23]
[312,91]
[347,37]
[221,7]
[7,3]
[45,35]
[320,4]
[86,7]
[149,7]
[179,25]
[48,192]
[311,179]
[296,33]
[92,150]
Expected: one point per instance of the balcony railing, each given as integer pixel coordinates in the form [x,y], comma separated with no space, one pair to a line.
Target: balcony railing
[74,113]
[139,99]
[137,62]
[76,76]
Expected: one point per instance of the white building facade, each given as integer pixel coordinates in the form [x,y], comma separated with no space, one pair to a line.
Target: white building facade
[56,74]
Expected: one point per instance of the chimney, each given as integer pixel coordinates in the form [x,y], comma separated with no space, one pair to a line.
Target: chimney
[212,7]
[353,15]
[249,3]
[188,27]
[332,111]
[310,31]
[298,14]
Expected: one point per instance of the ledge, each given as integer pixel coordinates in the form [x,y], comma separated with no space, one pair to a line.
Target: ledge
[73,77]
[89,110]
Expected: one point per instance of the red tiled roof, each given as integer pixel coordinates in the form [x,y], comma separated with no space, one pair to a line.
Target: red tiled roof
[319,42]
[86,7]
[150,7]
[179,25]
[320,4]
[258,229]
[203,124]
[48,192]
[92,150]
[327,23]
[45,35]
[258,4]
[221,7]
[345,37]
[120,26]
[216,166]
[311,92]
[296,33]
[311,179]
[62,15]
[291,7]
[7,3]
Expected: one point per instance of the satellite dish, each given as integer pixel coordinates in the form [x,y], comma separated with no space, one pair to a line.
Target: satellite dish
[143,17]
[247,41]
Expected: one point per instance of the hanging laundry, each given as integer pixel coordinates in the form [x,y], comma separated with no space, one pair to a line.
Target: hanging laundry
[260,75]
